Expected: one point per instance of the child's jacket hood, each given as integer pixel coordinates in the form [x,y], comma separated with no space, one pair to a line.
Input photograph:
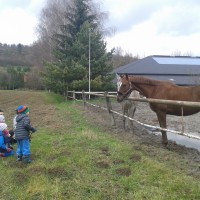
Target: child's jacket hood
[20,117]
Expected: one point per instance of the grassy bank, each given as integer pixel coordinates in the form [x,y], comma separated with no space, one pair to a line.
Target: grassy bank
[74,160]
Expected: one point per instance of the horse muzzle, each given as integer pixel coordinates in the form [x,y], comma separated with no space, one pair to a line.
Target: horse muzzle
[120,99]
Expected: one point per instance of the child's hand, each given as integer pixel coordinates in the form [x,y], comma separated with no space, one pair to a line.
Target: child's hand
[8,149]
[6,132]
[33,130]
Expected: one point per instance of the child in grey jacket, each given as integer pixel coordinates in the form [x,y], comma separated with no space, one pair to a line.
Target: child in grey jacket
[22,133]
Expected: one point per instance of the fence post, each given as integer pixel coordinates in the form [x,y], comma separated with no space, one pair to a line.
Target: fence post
[84,98]
[109,107]
[182,120]
[74,96]
[66,98]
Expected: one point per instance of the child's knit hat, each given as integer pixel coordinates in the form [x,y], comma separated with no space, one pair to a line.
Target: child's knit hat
[2,119]
[3,126]
[22,109]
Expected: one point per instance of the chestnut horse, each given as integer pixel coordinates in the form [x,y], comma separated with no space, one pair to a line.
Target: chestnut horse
[161,90]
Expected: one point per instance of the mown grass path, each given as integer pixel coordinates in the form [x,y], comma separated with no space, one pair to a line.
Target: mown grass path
[75,159]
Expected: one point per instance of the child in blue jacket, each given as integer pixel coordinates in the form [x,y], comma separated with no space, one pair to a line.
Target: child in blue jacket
[5,150]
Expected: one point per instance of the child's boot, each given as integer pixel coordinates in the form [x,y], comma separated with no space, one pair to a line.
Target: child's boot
[27,159]
[19,158]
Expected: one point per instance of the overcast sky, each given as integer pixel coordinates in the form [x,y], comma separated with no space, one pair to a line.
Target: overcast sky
[143,27]
[162,27]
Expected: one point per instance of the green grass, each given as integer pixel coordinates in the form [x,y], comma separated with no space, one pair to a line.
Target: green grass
[53,98]
[83,162]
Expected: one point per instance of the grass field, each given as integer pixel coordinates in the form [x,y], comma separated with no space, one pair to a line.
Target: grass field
[73,159]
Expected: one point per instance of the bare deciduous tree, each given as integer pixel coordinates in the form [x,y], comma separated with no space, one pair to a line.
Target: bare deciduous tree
[120,58]
[53,16]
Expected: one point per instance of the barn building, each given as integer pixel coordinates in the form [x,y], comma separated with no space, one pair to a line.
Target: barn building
[181,70]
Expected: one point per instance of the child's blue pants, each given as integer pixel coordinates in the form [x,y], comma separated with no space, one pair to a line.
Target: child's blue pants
[23,147]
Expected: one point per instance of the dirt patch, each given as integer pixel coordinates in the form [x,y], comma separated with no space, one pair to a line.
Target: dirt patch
[105,151]
[102,164]
[135,158]
[20,177]
[59,172]
[37,170]
[117,162]
[123,171]
[184,159]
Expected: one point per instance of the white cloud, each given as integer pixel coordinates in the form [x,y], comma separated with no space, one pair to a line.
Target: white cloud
[157,27]
[18,21]
[17,26]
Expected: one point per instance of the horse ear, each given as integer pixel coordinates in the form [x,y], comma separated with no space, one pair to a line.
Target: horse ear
[127,76]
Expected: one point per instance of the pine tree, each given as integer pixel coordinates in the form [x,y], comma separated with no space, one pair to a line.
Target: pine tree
[70,71]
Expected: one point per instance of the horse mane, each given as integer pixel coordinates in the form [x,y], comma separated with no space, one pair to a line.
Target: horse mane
[147,81]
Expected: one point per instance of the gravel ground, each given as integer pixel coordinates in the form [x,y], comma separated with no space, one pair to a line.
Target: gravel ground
[189,125]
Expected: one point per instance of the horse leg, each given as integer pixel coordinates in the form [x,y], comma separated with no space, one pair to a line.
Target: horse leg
[163,124]
[124,118]
[124,122]
[131,115]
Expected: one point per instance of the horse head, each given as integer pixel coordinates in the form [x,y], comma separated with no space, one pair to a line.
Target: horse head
[124,90]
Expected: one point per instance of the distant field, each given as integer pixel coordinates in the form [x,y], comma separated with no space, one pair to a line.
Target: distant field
[10,100]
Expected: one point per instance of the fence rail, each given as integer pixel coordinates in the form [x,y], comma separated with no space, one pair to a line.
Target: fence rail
[108,95]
